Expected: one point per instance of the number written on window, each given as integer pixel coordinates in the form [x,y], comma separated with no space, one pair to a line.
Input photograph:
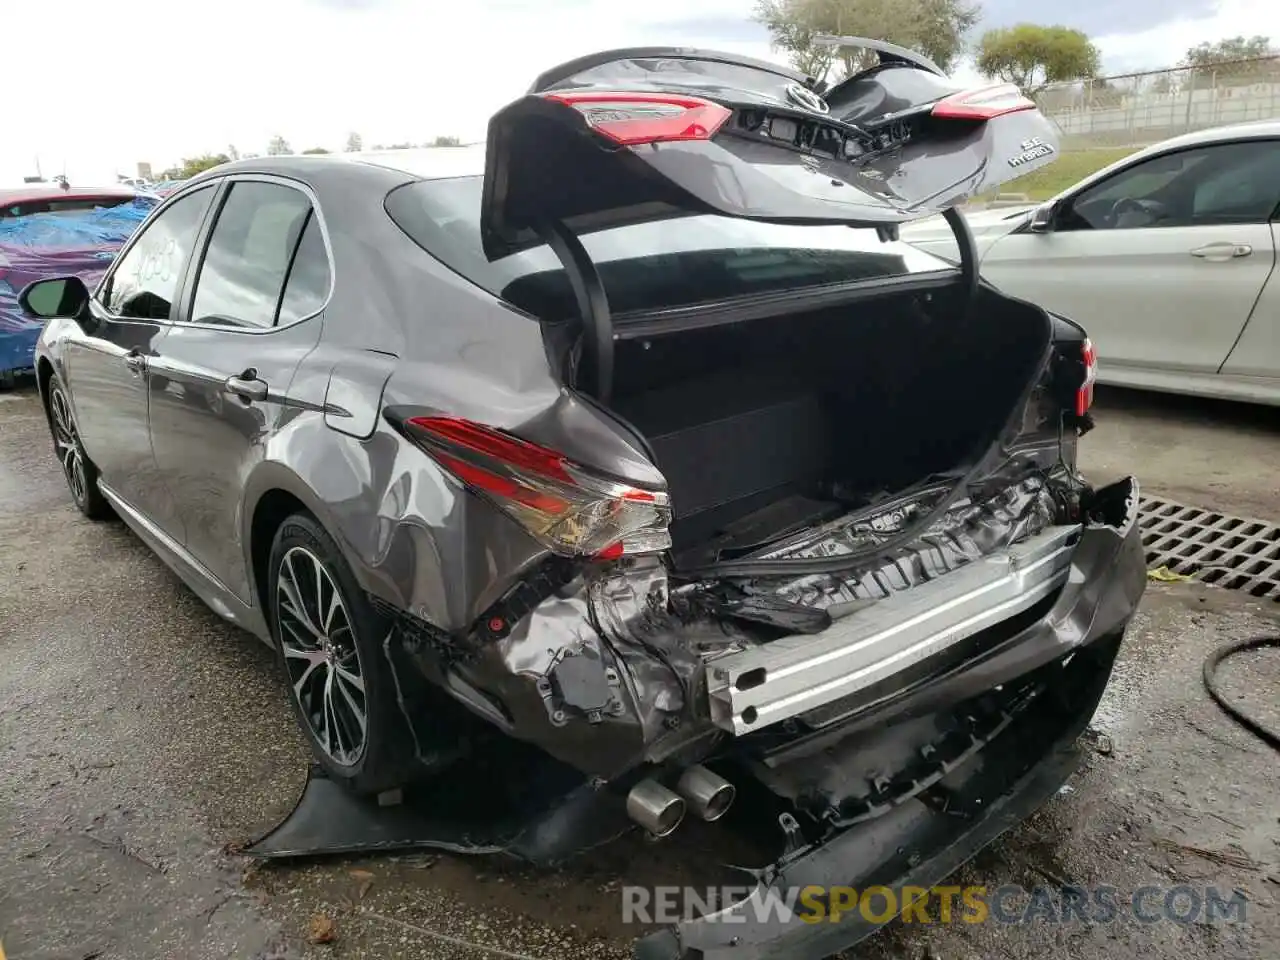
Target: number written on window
[145,280]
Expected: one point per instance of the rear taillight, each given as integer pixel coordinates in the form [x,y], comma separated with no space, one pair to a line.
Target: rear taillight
[986,103]
[566,507]
[635,118]
[1084,396]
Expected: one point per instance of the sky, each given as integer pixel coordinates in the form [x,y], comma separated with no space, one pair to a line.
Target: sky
[157,80]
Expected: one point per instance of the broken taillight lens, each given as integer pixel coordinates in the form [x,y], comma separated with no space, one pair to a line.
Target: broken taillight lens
[635,118]
[1084,396]
[567,508]
[985,103]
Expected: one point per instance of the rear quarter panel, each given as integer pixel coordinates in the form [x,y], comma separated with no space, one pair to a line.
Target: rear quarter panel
[404,328]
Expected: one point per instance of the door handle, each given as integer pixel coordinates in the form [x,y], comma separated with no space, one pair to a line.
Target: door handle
[135,361]
[1222,251]
[247,386]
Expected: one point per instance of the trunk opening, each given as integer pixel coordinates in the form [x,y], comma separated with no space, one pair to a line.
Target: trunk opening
[768,426]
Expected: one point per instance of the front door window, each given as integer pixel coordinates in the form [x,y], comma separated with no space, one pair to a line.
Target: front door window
[145,281]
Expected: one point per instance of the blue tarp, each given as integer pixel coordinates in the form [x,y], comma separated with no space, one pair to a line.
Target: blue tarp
[56,244]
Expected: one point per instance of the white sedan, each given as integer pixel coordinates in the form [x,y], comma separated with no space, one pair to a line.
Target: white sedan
[1166,257]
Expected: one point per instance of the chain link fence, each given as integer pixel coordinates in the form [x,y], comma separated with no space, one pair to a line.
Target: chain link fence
[1138,109]
[1104,119]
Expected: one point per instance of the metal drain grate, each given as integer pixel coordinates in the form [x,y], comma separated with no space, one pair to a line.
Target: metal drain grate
[1233,552]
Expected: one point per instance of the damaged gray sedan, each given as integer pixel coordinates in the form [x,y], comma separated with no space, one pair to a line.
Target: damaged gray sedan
[627,471]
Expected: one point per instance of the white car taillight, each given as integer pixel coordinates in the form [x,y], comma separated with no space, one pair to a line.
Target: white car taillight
[566,507]
[1084,396]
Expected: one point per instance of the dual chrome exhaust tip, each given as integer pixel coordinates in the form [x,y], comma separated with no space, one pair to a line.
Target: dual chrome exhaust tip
[660,810]
[709,794]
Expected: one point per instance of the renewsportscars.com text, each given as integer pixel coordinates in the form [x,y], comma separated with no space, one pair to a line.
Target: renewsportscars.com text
[1008,904]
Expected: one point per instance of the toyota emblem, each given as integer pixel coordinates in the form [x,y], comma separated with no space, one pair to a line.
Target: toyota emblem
[804,97]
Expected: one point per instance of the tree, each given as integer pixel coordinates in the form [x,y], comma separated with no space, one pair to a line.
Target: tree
[354,143]
[190,166]
[1033,57]
[934,27]
[1224,51]
[446,142]
[314,150]
[278,145]
[792,25]
[232,152]
[1221,60]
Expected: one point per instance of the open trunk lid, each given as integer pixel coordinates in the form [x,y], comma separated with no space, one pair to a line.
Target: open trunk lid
[636,135]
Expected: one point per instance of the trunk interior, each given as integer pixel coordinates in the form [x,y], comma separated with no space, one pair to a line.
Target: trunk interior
[766,426]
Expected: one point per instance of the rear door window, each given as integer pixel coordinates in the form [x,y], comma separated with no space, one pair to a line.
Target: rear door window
[1203,186]
[307,288]
[648,266]
[1244,190]
[242,275]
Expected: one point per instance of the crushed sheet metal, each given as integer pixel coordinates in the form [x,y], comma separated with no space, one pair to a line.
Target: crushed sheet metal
[595,674]
[608,656]
[970,530]
[1239,553]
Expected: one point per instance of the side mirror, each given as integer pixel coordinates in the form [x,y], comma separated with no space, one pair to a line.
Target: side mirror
[56,297]
[1042,218]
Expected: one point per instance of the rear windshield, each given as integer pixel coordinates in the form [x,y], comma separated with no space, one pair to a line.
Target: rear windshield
[670,263]
[27,208]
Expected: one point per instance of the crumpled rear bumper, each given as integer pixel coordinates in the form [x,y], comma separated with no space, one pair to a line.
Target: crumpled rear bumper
[916,845]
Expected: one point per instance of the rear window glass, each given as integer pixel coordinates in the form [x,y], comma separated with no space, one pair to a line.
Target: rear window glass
[680,262]
[29,208]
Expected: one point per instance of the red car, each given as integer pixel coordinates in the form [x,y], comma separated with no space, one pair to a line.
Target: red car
[55,198]
[49,229]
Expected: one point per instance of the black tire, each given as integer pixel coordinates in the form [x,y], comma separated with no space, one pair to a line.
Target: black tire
[78,470]
[385,759]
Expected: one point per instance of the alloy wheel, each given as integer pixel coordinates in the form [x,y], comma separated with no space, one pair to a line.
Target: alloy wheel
[67,444]
[321,656]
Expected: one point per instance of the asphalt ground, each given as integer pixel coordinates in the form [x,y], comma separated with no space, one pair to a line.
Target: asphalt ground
[141,738]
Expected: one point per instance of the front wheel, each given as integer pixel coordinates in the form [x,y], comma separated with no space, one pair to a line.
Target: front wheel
[79,471]
[330,643]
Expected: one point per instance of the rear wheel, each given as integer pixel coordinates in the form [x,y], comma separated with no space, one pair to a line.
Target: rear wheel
[80,473]
[330,644]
